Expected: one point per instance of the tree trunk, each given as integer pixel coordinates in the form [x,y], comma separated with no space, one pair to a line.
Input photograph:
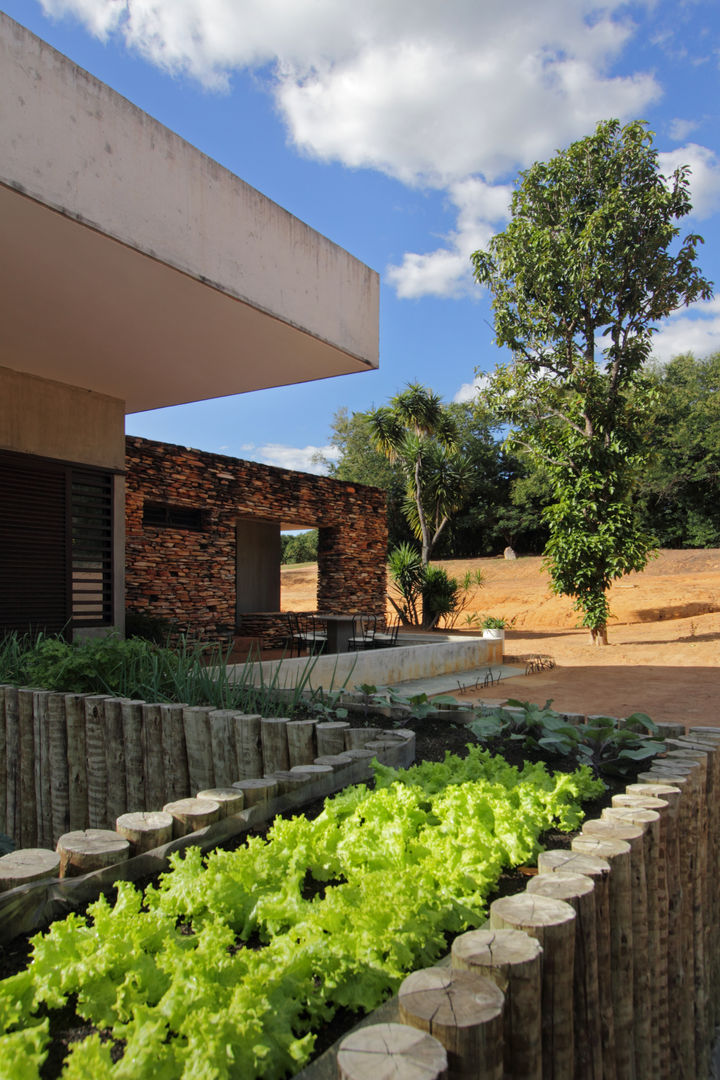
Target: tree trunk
[598,636]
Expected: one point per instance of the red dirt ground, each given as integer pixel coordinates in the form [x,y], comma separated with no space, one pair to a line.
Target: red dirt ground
[663,656]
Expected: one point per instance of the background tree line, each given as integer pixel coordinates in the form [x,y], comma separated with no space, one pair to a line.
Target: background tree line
[677,495]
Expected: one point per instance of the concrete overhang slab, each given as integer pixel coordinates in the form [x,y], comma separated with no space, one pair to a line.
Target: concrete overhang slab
[135,266]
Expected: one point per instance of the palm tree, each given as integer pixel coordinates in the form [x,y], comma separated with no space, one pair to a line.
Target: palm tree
[416,430]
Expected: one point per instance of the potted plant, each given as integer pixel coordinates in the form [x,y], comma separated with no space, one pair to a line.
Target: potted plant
[493,627]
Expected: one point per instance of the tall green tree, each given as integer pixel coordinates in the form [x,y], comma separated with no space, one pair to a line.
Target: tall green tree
[420,434]
[679,491]
[588,265]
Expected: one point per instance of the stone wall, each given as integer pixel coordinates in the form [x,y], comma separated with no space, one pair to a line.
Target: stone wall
[188,575]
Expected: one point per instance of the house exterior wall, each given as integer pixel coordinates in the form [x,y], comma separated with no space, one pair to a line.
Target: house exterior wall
[189,575]
[53,420]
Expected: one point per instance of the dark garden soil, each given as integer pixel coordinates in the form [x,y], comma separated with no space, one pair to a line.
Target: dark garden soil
[433,739]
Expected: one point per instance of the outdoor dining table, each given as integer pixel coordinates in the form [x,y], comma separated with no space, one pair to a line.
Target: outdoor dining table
[339,631]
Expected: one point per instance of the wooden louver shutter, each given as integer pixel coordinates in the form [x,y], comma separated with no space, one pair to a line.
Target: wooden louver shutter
[34,544]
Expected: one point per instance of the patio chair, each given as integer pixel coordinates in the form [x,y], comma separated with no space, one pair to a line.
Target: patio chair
[294,638]
[389,638]
[315,637]
[364,627]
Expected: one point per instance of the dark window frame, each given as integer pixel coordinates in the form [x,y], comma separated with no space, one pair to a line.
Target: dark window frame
[160,515]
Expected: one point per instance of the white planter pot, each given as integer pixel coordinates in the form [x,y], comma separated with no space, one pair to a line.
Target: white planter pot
[494,634]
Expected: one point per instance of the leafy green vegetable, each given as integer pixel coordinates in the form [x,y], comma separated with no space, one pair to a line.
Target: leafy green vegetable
[226,967]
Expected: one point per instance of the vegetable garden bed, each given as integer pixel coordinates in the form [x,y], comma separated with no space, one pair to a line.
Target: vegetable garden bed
[228,969]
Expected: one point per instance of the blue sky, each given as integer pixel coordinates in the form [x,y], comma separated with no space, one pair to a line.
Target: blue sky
[397,129]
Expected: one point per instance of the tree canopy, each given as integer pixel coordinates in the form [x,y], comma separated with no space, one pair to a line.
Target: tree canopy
[419,433]
[589,263]
[679,491]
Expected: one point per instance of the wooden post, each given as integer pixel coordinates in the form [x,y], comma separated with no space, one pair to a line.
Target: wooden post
[76,760]
[257,791]
[617,853]
[356,737]
[646,962]
[189,815]
[230,800]
[27,835]
[13,808]
[313,771]
[28,864]
[116,796]
[222,741]
[59,787]
[681,948]
[248,747]
[199,747]
[654,845]
[145,829]
[302,748]
[132,737]
[85,850]
[331,736]
[710,741]
[696,839]
[597,868]
[97,778]
[579,891]
[43,799]
[463,1011]
[512,959]
[288,781]
[340,763]
[552,922]
[273,732]
[177,780]
[391,1050]
[152,755]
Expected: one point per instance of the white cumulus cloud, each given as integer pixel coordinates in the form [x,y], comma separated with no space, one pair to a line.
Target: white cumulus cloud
[469,391]
[704,175]
[481,208]
[454,96]
[695,329]
[309,459]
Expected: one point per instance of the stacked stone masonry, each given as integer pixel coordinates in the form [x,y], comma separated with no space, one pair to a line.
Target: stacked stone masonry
[188,576]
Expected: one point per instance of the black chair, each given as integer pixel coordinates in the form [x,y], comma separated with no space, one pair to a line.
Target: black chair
[389,638]
[364,627]
[315,637]
[294,639]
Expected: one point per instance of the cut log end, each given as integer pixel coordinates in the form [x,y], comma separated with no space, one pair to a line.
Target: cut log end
[26,865]
[382,1051]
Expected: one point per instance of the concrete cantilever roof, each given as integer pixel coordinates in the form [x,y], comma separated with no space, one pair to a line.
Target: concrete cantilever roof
[135,266]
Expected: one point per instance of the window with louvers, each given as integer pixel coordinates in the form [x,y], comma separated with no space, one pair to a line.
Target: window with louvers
[55,545]
[92,530]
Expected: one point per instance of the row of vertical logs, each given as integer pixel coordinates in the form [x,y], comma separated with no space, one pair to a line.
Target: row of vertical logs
[607,967]
[71,762]
[289,750]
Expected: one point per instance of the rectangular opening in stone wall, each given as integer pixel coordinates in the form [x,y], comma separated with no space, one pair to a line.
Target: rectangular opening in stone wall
[170,516]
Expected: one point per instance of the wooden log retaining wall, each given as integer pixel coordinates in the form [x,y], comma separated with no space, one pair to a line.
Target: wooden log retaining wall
[79,761]
[561,1004]
[636,894]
